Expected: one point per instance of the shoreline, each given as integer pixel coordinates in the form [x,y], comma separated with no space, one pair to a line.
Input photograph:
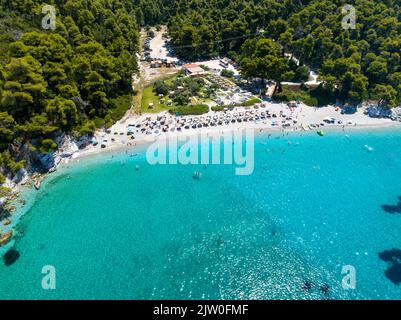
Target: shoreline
[18,203]
[304,115]
[90,152]
[147,128]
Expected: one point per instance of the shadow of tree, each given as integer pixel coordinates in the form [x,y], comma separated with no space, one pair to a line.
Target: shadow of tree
[393,208]
[393,258]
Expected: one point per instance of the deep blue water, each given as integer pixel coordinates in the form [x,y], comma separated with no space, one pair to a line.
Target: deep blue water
[311,206]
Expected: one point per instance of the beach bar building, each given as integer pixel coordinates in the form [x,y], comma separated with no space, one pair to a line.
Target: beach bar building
[193,70]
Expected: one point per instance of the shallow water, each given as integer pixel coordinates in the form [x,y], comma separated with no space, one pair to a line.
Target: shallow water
[312,206]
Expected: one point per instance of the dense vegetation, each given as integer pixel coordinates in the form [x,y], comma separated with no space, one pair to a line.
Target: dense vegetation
[354,64]
[72,79]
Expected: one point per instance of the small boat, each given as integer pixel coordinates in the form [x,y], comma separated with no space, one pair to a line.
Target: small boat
[37,184]
[5,238]
[368,148]
[137,168]
[197,175]
[6,222]
[320,133]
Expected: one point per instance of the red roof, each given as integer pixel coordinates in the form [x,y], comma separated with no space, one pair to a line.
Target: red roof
[190,65]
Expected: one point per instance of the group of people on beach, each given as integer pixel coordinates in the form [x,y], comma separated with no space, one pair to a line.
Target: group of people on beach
[168,123]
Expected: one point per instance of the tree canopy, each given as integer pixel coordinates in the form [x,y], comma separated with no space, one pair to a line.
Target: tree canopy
[355,64]
[63,80]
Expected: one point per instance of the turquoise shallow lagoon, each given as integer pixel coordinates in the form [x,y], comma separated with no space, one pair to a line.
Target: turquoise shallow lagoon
[312,206]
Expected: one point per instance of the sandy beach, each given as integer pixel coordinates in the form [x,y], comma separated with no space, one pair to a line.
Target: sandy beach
[117,137]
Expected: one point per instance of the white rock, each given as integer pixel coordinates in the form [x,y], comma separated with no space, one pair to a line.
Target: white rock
[21,177]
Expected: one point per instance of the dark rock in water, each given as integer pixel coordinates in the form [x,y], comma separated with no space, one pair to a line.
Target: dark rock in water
[274,232]
[325,289]
[307,285]
[393,258]
[393,208]
[10,257]
[220,240]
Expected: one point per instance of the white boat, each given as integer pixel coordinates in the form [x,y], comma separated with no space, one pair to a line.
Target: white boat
[37,184]
[368,148]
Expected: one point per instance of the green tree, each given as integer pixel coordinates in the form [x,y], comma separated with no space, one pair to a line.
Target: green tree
[24,87]
[385,94]
[262,58]
[37,127]
[62,113]
[7,129]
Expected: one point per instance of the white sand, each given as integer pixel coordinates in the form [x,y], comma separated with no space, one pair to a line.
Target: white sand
[304,115]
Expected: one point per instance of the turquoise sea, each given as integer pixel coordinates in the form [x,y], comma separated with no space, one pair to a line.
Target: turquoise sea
[313,205]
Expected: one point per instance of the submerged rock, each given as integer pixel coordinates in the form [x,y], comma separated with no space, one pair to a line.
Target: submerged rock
[325,289]
[10,257]
[307,285]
